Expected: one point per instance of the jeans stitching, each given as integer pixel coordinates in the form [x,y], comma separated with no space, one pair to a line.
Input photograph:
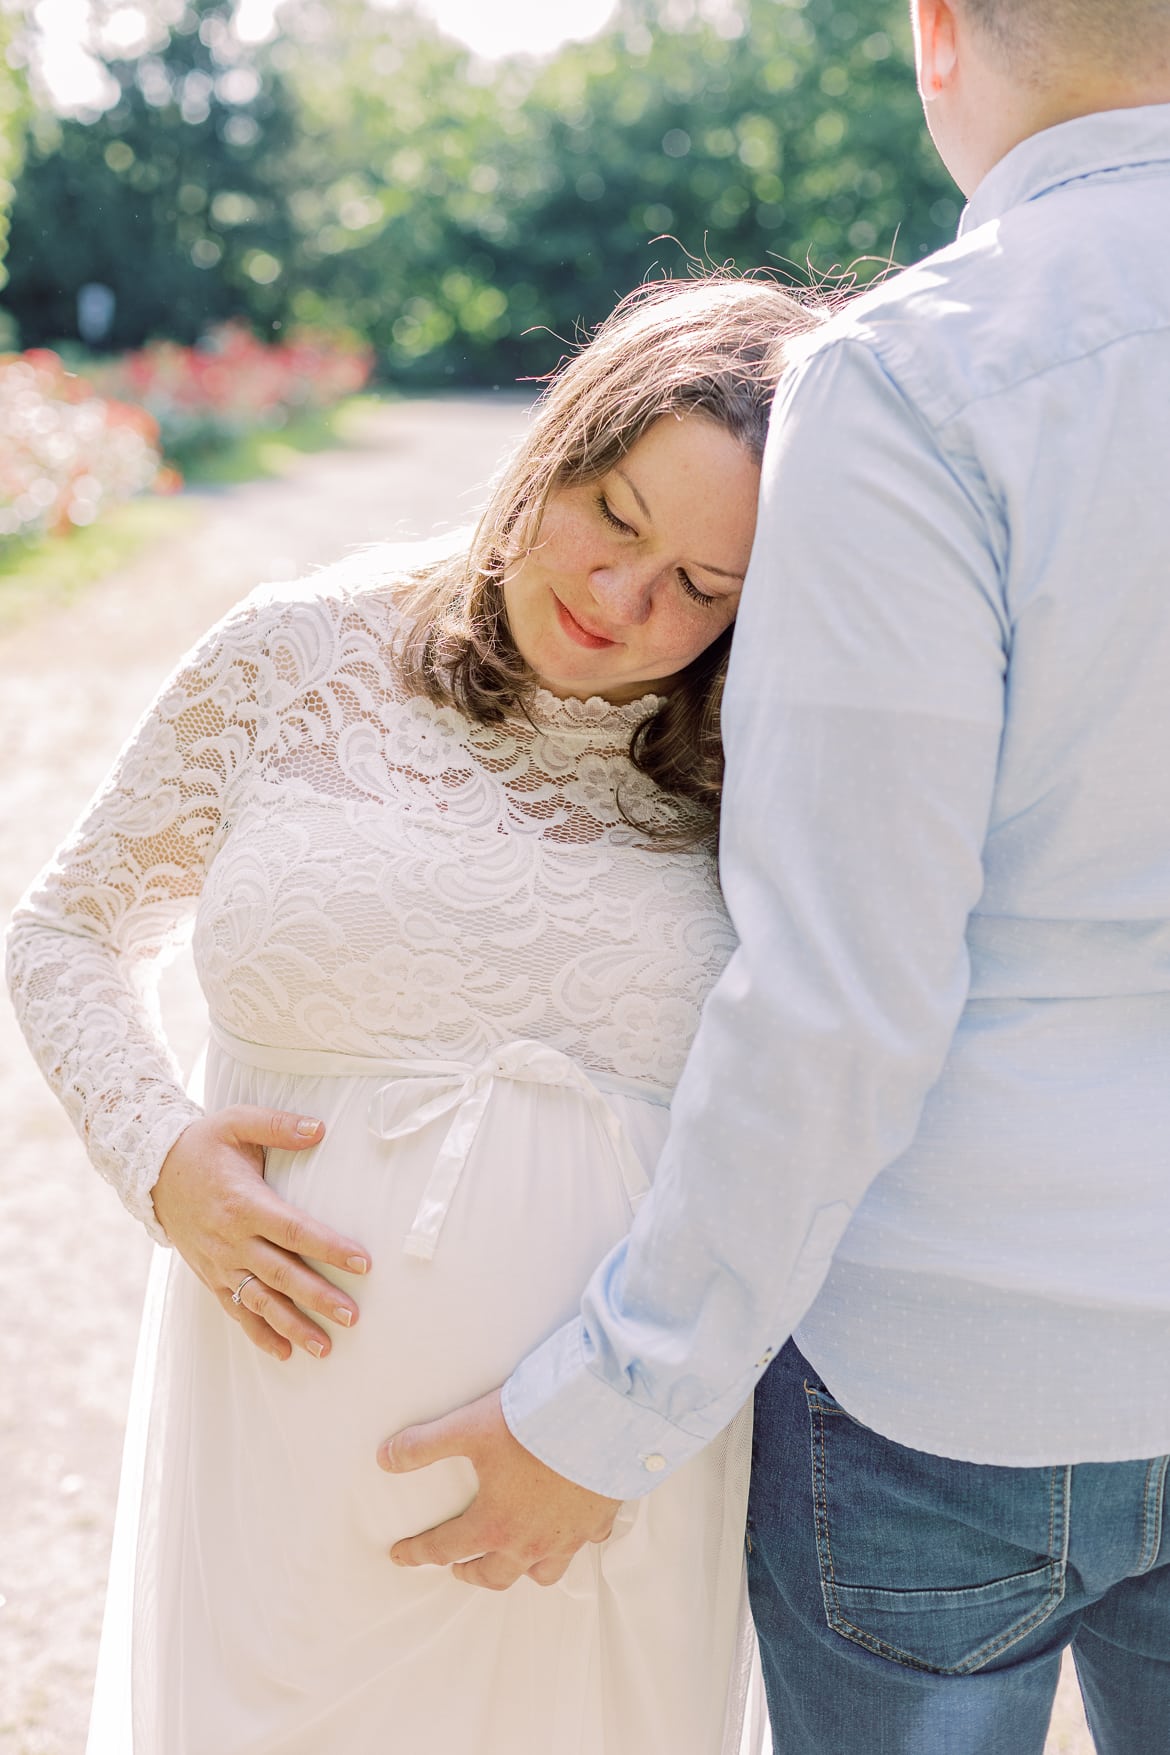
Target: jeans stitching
[821,1503]
[990,1649]
[1153,1499]
[1143,1552]
[882,1648]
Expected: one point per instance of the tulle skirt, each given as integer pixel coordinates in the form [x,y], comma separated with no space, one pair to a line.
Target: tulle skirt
[253,1609]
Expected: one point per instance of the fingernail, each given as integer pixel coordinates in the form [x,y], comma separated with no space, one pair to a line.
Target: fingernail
[317,1348]
[307,1128]
[357,1264]
[343,1315]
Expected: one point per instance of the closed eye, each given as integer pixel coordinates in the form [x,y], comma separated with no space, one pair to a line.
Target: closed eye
[611,517]
[692,590]
[684,578]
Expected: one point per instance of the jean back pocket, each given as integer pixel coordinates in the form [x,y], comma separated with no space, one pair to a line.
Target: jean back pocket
[938,1565]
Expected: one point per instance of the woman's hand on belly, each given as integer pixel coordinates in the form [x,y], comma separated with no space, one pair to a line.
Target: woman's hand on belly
[247,1245]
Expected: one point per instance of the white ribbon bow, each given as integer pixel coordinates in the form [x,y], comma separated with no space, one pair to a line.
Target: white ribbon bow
[467,1093]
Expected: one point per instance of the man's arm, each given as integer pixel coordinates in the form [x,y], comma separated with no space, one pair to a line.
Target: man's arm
[862,721]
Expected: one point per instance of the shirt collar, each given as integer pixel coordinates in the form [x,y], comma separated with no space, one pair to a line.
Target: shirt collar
[1111,140]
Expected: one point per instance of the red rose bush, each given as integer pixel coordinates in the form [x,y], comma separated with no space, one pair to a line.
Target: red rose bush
[66,453]
[232,383]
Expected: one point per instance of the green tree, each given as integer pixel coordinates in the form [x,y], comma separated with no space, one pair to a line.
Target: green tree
[785,136]
[393,185]
[469,218]
[777,134]
[173,197]
[13,103]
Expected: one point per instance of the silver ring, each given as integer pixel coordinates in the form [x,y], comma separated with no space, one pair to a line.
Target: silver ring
[237,1294]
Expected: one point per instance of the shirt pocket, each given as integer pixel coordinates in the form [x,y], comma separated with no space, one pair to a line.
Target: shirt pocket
[938,1565]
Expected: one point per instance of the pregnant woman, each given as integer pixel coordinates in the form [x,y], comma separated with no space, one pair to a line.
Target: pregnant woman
[444,822]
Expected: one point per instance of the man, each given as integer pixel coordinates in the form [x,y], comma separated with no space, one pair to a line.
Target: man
[925,1126]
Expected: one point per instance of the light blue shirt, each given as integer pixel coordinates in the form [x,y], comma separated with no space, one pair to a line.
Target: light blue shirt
[925,1124]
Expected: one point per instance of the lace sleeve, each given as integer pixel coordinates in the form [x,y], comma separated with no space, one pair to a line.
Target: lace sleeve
[86,943]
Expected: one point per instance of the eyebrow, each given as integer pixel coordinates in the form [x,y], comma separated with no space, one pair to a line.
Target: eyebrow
[702,566]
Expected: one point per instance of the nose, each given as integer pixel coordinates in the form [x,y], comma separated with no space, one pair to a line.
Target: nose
[624,592]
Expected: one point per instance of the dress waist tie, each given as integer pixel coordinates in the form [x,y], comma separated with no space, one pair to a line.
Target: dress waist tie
[465,1098]
[455,1088]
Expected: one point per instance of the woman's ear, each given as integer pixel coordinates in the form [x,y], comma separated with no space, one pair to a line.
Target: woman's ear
[936,46]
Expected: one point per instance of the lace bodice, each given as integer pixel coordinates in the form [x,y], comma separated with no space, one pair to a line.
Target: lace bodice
[366,872]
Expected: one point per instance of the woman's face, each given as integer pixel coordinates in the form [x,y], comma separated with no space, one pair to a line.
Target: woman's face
[634,573]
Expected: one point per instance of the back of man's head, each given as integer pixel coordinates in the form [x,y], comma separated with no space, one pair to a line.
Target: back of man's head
[1045,39]
[994,72]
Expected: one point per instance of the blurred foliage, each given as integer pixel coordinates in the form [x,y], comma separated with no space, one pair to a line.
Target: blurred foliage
[72,445]
[13,105]
[172,197]
[363,170]
[68,453]
[231,386]
[263,452]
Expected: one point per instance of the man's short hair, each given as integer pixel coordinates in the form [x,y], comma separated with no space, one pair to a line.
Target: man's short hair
[1033,35]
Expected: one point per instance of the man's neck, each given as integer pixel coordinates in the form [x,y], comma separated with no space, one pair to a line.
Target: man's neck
[1090,96]
[1037,110]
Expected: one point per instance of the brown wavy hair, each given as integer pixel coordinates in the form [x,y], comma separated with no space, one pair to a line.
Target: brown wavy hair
[714,346]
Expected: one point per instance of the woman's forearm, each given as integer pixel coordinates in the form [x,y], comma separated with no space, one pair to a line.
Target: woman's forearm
[92,1032]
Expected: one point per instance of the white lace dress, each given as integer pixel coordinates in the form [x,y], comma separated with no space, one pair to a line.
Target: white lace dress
[440,938]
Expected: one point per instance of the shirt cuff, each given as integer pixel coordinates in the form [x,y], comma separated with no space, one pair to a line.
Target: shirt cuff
[558,1407]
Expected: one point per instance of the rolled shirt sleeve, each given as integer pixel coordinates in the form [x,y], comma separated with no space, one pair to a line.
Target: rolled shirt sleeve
[862,721]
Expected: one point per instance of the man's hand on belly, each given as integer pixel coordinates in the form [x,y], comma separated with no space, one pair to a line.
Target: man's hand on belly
[526,1521]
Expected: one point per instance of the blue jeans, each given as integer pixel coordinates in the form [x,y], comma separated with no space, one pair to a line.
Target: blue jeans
[909,1605]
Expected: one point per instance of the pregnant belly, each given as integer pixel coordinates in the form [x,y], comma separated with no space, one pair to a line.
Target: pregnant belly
[538,1203]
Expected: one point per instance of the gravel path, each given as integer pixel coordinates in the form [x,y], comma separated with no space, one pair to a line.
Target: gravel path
[72,1266]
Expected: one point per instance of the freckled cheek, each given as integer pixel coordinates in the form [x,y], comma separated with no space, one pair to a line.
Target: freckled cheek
[679,633]
[569,544]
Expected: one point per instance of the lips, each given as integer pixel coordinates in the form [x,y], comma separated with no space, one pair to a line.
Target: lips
[580,635]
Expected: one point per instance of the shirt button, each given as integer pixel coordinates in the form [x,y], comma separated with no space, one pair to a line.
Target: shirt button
[654,1463]
[766,1358]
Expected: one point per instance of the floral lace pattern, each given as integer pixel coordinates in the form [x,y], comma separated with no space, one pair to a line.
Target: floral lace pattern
[365,871]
